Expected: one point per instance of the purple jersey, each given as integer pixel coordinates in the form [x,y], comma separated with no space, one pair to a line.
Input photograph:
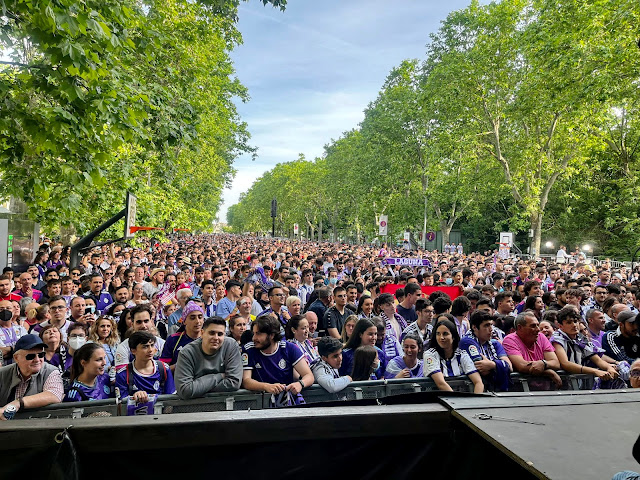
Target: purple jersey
[149,383]
[396,365]
[173,345]
[79,392]
[56,361]
[274,368]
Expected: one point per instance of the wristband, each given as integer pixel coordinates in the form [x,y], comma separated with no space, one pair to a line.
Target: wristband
[21,401]
[545,364]
[301,383]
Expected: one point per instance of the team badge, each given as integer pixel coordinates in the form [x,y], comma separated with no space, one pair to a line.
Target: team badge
[245,359]
[156,385]
[282,364]
[430,360]
[473,350]
[106,389]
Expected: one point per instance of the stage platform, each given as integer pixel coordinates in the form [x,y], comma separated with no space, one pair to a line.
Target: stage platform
[429,434]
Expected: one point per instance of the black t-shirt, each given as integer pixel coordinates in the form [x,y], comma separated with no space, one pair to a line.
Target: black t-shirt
[333,318]
[409,314]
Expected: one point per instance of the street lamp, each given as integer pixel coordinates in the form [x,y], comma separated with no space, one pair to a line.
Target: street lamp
[549,245]
[586,248]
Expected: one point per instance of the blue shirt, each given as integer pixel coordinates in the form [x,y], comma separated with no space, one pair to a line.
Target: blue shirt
[151,384]
[274,368]
[173,345]
[347,362]
[79,392]
[225,307]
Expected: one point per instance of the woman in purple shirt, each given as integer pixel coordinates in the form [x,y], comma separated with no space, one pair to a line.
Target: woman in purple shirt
[89,382]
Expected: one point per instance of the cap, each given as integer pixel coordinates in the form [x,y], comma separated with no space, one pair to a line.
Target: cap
[156,270]
[626,316]
[29,341]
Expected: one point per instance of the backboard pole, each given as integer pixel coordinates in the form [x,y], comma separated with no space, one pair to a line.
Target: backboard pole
[85,241]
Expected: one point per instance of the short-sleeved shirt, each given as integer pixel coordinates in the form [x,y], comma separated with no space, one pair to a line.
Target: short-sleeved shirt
[397,364]
[409,314]
[475,350]
[152,384]
[459,364]
[79,392]
[173,345]
[225,307]
[334,319]
[274,368]
[513,346]
[414,328]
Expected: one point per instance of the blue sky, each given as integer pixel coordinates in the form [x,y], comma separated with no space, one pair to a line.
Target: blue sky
[312,69]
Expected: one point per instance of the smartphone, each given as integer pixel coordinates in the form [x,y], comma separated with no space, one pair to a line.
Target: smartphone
[88,310]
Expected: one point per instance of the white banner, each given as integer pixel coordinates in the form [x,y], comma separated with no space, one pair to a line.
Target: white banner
[383,224]
[295,229]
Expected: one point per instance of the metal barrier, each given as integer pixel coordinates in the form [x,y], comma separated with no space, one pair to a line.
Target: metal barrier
[247,400]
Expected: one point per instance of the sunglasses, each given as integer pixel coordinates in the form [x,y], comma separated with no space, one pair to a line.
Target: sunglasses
[634,373]
[31,356]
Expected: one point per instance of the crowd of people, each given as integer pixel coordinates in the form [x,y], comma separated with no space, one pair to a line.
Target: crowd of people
[215,313]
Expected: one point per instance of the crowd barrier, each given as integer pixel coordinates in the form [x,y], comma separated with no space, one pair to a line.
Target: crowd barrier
[247,400]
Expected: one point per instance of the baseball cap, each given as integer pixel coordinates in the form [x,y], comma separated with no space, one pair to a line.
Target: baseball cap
[627,316]
[29,341]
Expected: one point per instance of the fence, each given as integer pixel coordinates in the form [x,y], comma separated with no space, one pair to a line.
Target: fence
[247,400]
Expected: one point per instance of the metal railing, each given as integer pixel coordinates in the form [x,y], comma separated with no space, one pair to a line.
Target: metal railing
[247,400]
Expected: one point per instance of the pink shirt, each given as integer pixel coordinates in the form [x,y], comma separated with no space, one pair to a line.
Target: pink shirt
[513,346]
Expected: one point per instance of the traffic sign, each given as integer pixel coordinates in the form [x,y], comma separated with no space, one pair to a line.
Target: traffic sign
[431,236]
[383,224]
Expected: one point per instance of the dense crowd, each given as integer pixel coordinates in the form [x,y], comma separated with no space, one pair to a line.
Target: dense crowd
[215,313]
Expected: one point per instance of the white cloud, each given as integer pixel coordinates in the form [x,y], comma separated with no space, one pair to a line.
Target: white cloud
[312,70]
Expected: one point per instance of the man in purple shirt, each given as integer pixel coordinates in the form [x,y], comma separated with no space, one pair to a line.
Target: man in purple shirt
[271,364]
[596,323]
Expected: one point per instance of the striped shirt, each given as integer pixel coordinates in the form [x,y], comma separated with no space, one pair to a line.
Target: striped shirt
[52,384]
[459,364]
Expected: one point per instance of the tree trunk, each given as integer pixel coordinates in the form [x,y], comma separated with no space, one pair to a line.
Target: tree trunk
[445,228]
[536,226]
[320,231]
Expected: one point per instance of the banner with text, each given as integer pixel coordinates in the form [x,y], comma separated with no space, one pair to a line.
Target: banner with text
[407,262]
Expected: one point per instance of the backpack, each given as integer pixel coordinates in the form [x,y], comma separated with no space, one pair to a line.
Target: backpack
[160,366]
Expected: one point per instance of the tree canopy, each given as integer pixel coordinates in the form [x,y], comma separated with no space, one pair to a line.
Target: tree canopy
[98,98]
[522,115]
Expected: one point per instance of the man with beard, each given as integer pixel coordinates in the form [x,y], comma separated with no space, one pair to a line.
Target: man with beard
[271,364]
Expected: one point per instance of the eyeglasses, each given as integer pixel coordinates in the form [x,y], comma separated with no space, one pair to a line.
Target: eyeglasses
[77,335]
[278,295]
[31,356]
[634,373]
[58,307]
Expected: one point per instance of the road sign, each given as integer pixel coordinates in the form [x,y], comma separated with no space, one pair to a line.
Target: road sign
[431,236]
[383,224]
[130,217]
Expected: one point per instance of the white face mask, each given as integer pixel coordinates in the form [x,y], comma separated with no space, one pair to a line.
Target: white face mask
[77,342]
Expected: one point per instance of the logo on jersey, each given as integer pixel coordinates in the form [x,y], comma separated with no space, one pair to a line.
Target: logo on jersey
[156,385]
[245,359]
[106,389]
[634,348]
[282,364]
[473,351]
[430,360]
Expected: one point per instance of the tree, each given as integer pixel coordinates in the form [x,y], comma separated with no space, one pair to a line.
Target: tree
[90,84]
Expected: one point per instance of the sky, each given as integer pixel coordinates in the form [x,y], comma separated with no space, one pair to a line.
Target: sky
[313,69]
